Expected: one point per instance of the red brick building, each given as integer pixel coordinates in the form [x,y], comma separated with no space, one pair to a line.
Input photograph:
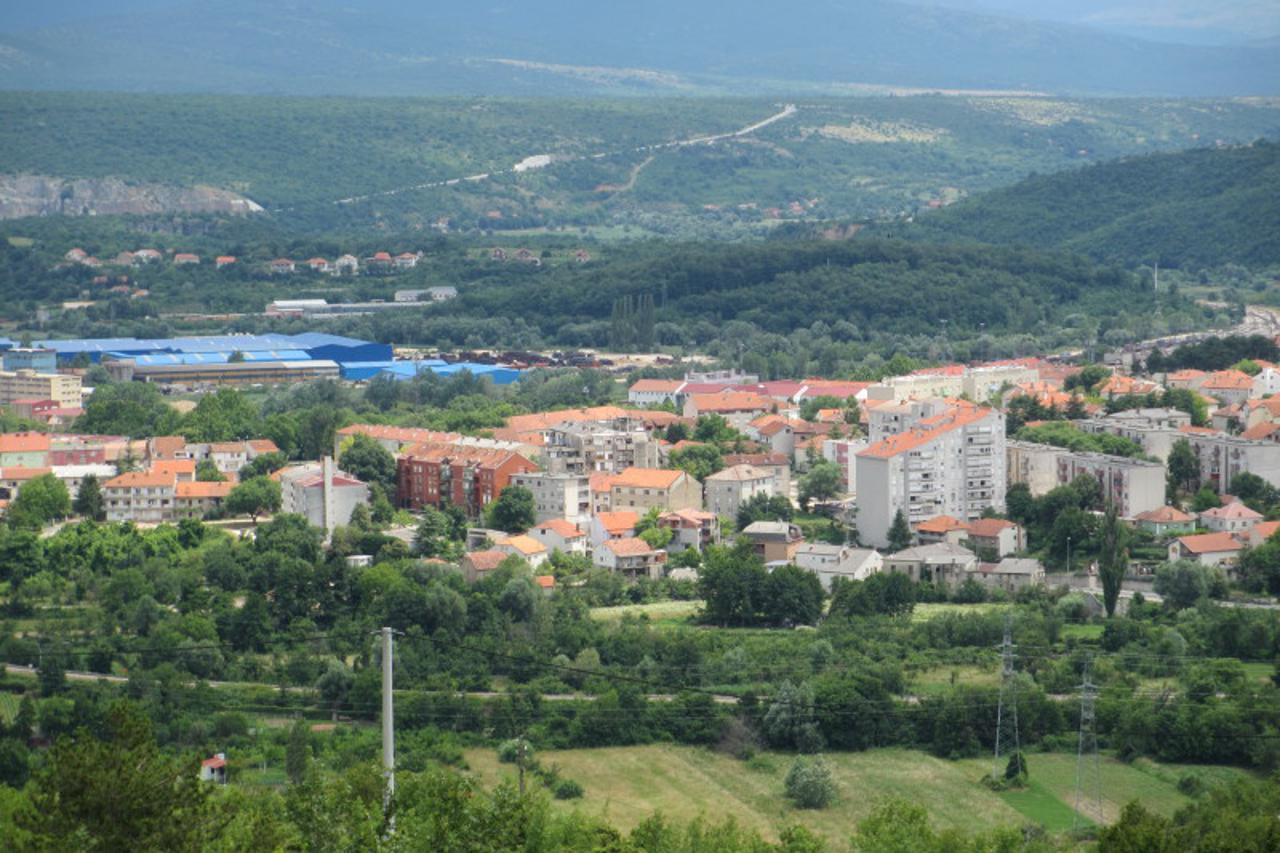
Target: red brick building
[432,473]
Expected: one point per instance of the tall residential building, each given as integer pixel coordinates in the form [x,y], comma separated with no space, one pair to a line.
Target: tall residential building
[63,389]
[1224,457]
[566,496]
[951,463]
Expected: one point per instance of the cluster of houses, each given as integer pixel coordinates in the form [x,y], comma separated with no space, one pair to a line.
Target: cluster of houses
[377,263]
[528,256]
[929,447]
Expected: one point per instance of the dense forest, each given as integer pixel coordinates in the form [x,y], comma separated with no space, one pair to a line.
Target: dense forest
[1197,208]
[833,159]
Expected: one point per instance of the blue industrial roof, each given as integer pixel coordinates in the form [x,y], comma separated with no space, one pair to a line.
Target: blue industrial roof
[204,344]
[6,343]
[408,369]
[213,357]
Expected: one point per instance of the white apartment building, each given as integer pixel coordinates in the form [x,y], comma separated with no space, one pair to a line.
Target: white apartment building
[947,464]
[566,496]
[1135,485]
[325,496]
[1154,430]
[1224,457]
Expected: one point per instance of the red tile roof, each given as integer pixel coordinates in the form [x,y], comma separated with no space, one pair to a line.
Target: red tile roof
[647,478]
[989,528]
[731,401]
[940,524]
[656,386]
[634,547]
[562,527]
[934,428]
[1165,515]
[618,522]
[24,442]
[1210,543]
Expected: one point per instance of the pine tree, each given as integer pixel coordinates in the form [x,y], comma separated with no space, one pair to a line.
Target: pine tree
[1113,559]
[899,533]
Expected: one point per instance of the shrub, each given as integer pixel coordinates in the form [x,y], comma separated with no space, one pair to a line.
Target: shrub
[1191,784]
[509,750]
[809,784]
[567,789]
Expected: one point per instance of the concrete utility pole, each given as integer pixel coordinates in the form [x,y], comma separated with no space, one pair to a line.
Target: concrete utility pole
[388,720]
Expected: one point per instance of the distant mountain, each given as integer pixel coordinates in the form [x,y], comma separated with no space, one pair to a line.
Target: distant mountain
[1201,208]
[538,47]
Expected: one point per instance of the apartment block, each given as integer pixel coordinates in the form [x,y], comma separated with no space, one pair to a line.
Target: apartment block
[143,497]
[951,463]
[63,389]
[1134,485]
[566,496]
[1154,430]
[585,448]
[1224,457]
[432,474]
[729,489]
[321,493]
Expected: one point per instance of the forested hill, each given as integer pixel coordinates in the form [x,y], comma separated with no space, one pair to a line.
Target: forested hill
[869,287]
[1203,207]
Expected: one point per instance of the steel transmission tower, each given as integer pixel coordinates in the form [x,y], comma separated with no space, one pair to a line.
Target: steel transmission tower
[1007,710]
[1087,761]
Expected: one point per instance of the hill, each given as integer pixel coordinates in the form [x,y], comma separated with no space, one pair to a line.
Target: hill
[1204,207]
[543,47]
[401,161]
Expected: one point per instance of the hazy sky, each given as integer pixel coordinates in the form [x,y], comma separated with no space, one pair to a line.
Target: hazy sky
[1199,21]
[1206,21]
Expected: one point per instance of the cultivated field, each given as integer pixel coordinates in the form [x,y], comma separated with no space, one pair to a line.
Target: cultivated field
[626,784]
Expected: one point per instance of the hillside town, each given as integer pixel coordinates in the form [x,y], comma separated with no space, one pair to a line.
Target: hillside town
[915,474]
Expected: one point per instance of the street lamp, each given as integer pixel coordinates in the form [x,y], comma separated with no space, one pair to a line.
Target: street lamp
[1068,554]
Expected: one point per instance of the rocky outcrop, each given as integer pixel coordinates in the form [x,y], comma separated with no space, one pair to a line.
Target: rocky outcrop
[41,195]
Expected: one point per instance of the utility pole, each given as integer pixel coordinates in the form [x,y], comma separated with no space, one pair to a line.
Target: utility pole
[1087,760]
[522,755]
[388,721]
[1006,725]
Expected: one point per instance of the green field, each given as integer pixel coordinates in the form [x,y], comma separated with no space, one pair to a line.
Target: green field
[658,612]
[939,680]
[925,612]
[626,784]
[9,703]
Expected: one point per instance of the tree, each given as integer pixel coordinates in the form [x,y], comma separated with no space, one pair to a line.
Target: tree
[885,593]
[119,793]
[732,582]
[809,783]
[1184,470]
[1205,499]
[514,510]
[1113,559]
[792,596]
[698,461]
[365,459]
[1183,583]
[40,500]
[434,538]
[762,507]
[297,752]
[260,466]
[224,415]
[207,472]
[822,482]
[713,429]
[89,502]
[334,685]
[900,535]
[253,497]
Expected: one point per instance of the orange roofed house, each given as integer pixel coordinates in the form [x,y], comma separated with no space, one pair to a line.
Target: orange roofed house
[644,488]
[739,408]
[431,474]
[143,497]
